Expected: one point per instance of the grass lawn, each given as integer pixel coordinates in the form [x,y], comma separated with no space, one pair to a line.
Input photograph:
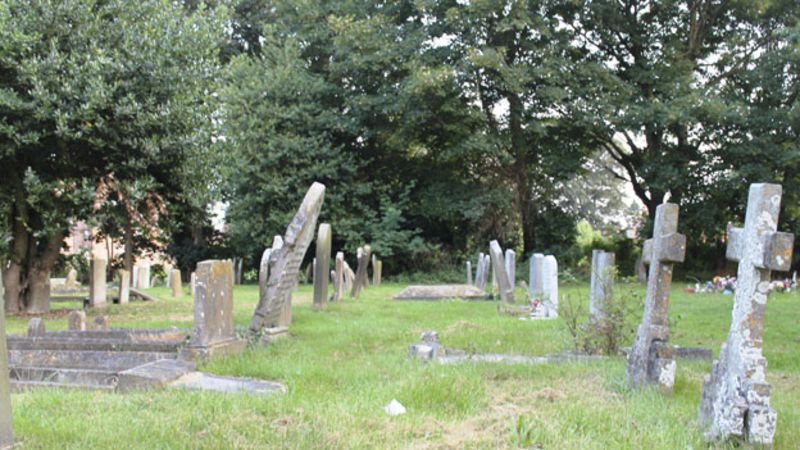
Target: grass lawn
[343,365]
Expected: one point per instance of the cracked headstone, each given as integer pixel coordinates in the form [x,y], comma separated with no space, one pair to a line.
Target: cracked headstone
[6,429]
[505,288]
[736,395]
[97,285]
[651,361]
[76,321]
[601,289]
[275,305]
[322,267]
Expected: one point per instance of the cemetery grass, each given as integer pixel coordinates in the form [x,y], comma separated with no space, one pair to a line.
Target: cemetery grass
[343,365]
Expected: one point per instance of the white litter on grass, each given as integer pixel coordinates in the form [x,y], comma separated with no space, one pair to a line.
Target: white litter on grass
[394,408]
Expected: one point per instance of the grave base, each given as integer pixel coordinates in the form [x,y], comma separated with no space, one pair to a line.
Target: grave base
[270,335]
[229,347]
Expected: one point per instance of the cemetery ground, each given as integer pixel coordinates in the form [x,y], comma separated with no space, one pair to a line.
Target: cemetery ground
[343,365]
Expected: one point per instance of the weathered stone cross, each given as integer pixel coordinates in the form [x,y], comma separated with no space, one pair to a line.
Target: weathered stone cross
[736,394]
[650,360]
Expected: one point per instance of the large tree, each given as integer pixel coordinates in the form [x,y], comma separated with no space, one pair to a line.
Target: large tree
[96,97]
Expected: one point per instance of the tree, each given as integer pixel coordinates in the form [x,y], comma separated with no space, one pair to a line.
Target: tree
[94,97]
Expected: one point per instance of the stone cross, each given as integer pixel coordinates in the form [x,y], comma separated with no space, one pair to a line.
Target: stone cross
[213,330]
[535,288]
[506,291]
[338,278]
[601,289]
[469,273]
[175,283]
[322,268]
[650,360]
[511,267]
[736,395]
[124,286]
[275,305]
[6,430]
[97,285]
[549,278]
[363,254]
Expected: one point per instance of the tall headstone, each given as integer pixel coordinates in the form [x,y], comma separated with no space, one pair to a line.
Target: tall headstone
[377,271]
[535,287]
[6,430]
[175,283]
[479,272]
[511,267]
[274,307]
[641,270]
[469,273]
[601,288]
[97,287]
[143,276]
[338,277]
[363,254]
[505,290]
[349,277]
[322,268]
[192,283]
[736,395]
[487,267]
[213,330]
[124,286]
[550,285]
[650,360]
[237,266]
[135,278]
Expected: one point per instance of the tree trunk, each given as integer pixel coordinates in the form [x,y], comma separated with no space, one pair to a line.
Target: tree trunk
[127,261]
[37,296]
[13,287]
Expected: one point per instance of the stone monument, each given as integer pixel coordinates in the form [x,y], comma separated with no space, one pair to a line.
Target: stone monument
[274,306]
[97,286]
[322,267]
[506,290]
[601,289]
[650,361]
[736,395]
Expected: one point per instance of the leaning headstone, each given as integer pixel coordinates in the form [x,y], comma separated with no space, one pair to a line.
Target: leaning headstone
[363,254]
[736,395]
[275,306]
[535,287]
[213,330]
[97,287]
[550,285]
[651,360]
[175,283]
[36,327]
[469,273]
[6,430]
[338,277]
[601,288]
[322,268]
[124,286]
[76,321]
[72,279]
[349,277]
[479,272]
[511,267]
[506,290]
